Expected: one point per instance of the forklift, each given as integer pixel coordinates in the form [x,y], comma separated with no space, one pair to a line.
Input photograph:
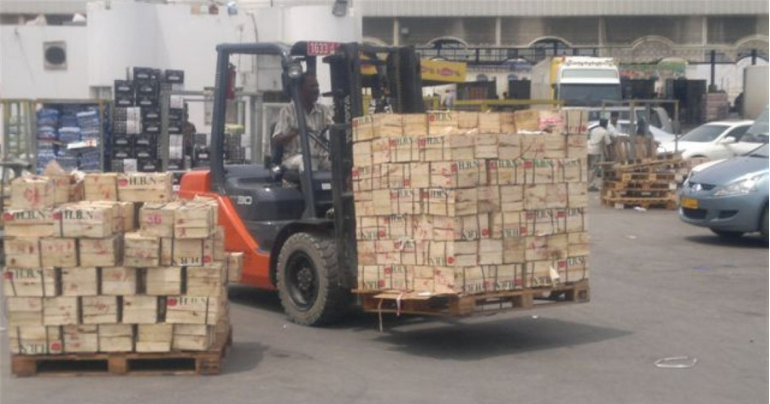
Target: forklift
[297,229]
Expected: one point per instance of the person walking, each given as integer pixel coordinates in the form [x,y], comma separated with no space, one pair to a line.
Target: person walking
[598,140]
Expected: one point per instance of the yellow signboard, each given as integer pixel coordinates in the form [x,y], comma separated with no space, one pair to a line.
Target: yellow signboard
[443,71]
[432,71]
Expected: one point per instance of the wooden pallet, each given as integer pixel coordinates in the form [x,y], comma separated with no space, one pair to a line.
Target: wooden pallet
[639,193]
[126,364]
[640,185]
[447,305]
[647,203]
[649,176]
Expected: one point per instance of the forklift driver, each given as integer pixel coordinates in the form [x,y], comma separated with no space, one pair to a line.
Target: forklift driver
[317,118]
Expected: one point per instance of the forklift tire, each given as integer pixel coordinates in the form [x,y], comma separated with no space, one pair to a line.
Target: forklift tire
[307,280]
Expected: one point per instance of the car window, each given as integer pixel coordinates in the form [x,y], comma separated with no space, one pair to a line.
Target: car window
[655,120]
[703,134]
[738,132]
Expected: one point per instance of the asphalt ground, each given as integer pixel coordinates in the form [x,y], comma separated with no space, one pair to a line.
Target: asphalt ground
[660,289]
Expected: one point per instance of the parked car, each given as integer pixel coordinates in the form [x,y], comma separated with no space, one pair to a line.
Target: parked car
[730,196]
[624,129]
[716,140]
[658,116]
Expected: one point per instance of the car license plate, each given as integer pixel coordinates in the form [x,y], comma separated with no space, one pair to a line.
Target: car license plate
[689,203]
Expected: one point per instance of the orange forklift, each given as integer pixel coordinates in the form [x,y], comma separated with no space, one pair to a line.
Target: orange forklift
[297,229]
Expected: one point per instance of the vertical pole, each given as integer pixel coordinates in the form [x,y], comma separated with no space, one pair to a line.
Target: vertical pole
[753,57]
[396,32]
[713,87]
[602,36]
[498,31]
[632,129]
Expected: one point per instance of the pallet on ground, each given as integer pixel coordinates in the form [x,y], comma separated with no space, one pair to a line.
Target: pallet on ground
[482,304]
[638,193]
[131,363]
[640,185]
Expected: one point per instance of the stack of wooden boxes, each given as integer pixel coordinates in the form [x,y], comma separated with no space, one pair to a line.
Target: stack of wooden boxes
[82,277]
[469,203]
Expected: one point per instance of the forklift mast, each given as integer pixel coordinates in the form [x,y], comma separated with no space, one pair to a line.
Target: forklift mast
[397,81]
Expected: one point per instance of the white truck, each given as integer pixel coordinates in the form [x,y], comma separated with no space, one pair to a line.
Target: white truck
[577,80]
[755,93]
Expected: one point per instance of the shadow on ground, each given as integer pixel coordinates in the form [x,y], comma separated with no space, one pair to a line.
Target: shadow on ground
[506,336]
[750,241]
[243,357]
[257,298]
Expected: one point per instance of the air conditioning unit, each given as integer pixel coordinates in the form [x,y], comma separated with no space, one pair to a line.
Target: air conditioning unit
[55,55]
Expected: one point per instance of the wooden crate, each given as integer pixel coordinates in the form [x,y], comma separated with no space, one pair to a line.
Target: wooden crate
[192,337]
[140,309]
[24,282]
[24,311]
[116,337]
[27,223]
[62,185]
[219,253]
[22,252]
[192,252]
[80,281]
[195,310]
[59,252]
[32,192]
[101,187]
[154,337]
[119,281]
[100,252]
[194,220]
[35,340]
[141,251]
[206,280]
[100,309]
[81,338]
[234,266]
[163,281]
[61,310]
[157,219]
[84,219]
[145,187]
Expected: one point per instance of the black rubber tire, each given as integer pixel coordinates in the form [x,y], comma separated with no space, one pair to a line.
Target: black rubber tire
[327,301]
[763,224]
[728,235]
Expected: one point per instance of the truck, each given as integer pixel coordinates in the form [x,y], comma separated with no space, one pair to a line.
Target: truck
[576,80]
[755,93]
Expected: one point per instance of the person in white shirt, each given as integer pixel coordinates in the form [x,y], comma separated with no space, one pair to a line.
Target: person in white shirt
[598,140]
[317,118]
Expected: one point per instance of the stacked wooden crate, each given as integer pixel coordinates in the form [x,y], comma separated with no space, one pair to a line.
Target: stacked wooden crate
[648,183]
[468,203]
[82,277]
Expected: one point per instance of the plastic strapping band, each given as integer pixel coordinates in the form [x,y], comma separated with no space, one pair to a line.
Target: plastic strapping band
[398,304]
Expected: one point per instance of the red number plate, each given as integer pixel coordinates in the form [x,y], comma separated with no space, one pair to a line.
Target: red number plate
[322,48]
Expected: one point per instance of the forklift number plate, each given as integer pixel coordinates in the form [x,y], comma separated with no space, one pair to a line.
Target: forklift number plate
[322,48]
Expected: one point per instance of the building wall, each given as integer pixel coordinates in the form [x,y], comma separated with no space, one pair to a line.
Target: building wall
[22,72]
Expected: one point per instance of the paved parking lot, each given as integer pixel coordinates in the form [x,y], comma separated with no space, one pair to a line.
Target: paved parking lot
[660,289]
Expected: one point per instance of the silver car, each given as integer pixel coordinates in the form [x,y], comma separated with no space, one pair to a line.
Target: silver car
[729,196]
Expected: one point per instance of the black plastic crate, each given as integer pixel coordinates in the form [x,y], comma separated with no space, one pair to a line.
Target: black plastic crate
[151,88]
[144,74]
[124,100]
[122,114]
[145,152]
[147,165]
[122,140]
[174,76]
[146,140]
[124,127]
[176,114]
[125,87]
[176,164]
[175,127]
[151,126]
[200,139]
[123,152]
[147,101]
[151,113]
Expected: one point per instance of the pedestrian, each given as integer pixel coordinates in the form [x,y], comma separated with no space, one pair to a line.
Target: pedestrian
[598,140]
[612,126]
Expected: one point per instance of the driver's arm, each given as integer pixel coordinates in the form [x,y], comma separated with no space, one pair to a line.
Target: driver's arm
[285,128]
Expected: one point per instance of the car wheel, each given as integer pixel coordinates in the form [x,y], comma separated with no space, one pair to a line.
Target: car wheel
[728,235]
[763,226]
[308,280]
